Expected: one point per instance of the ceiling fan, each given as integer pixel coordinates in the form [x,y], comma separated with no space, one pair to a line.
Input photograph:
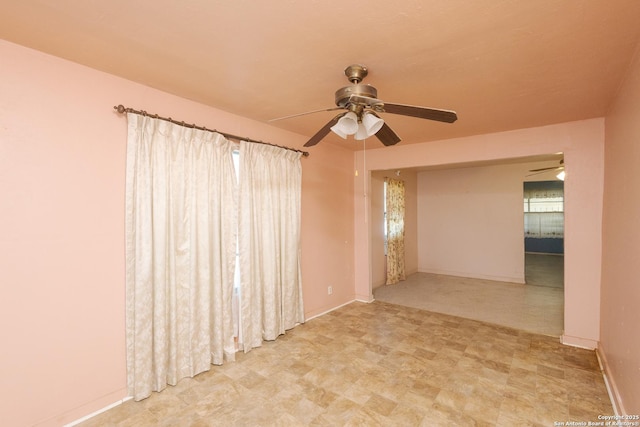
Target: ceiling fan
[362,106]
[550,168]
[559,168]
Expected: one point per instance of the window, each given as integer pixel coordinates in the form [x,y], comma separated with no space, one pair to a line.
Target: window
[544,209]
[551,204]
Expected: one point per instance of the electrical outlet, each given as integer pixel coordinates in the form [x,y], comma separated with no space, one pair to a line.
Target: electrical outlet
[330,290]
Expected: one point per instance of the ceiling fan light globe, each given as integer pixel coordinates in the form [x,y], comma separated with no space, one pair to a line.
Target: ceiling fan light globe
[372,123]
[347,125]
[361,133]
[338,131]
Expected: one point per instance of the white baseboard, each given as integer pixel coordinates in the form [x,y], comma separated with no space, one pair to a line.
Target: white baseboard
[612,389]
[330,310]
[509,279]
[98,412]
[585,343]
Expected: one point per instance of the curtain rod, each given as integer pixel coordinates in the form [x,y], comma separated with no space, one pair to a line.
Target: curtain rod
[122,109]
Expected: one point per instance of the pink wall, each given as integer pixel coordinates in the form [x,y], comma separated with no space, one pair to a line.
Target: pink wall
[471,222]
[327,229]
[62,166]
[620,310]
[582,144]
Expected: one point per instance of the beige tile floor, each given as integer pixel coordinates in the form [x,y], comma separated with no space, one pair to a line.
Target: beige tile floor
[538,309]
[544,270]
[381,364]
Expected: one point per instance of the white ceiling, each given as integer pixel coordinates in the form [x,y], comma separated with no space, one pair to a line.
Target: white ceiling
[501,64]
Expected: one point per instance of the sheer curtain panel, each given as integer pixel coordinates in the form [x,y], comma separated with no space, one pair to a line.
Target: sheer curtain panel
[395,230]
[180,252]
[269,239]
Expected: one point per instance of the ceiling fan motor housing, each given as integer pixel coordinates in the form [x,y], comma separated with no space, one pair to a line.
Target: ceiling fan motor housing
[343,94]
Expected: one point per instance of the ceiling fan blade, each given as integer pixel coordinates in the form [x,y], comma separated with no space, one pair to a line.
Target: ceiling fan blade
[421,112]
[304,114]
[387,136]
[550,167]
[547,169]
[323,132]
[543,170]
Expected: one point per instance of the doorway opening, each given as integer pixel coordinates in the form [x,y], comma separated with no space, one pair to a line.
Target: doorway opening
[544,233]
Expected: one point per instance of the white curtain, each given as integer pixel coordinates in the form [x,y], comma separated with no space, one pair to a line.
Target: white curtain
[548,225]
[269,241]
[180,252]
[544,209]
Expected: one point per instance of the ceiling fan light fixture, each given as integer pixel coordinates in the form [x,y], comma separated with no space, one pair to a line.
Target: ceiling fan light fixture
[347,125]
[372,123]
[361,133]
[336,129]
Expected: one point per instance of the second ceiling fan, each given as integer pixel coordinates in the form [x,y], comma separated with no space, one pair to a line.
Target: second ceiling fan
[559,168]
[362,106]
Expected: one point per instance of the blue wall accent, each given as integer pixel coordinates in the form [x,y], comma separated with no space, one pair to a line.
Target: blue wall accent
[547,246]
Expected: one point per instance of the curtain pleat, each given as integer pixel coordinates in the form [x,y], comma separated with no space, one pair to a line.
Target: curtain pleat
[269,239]
[395,230]
[180,252]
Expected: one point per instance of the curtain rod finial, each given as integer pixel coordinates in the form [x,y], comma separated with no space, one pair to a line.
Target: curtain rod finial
[120,108]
